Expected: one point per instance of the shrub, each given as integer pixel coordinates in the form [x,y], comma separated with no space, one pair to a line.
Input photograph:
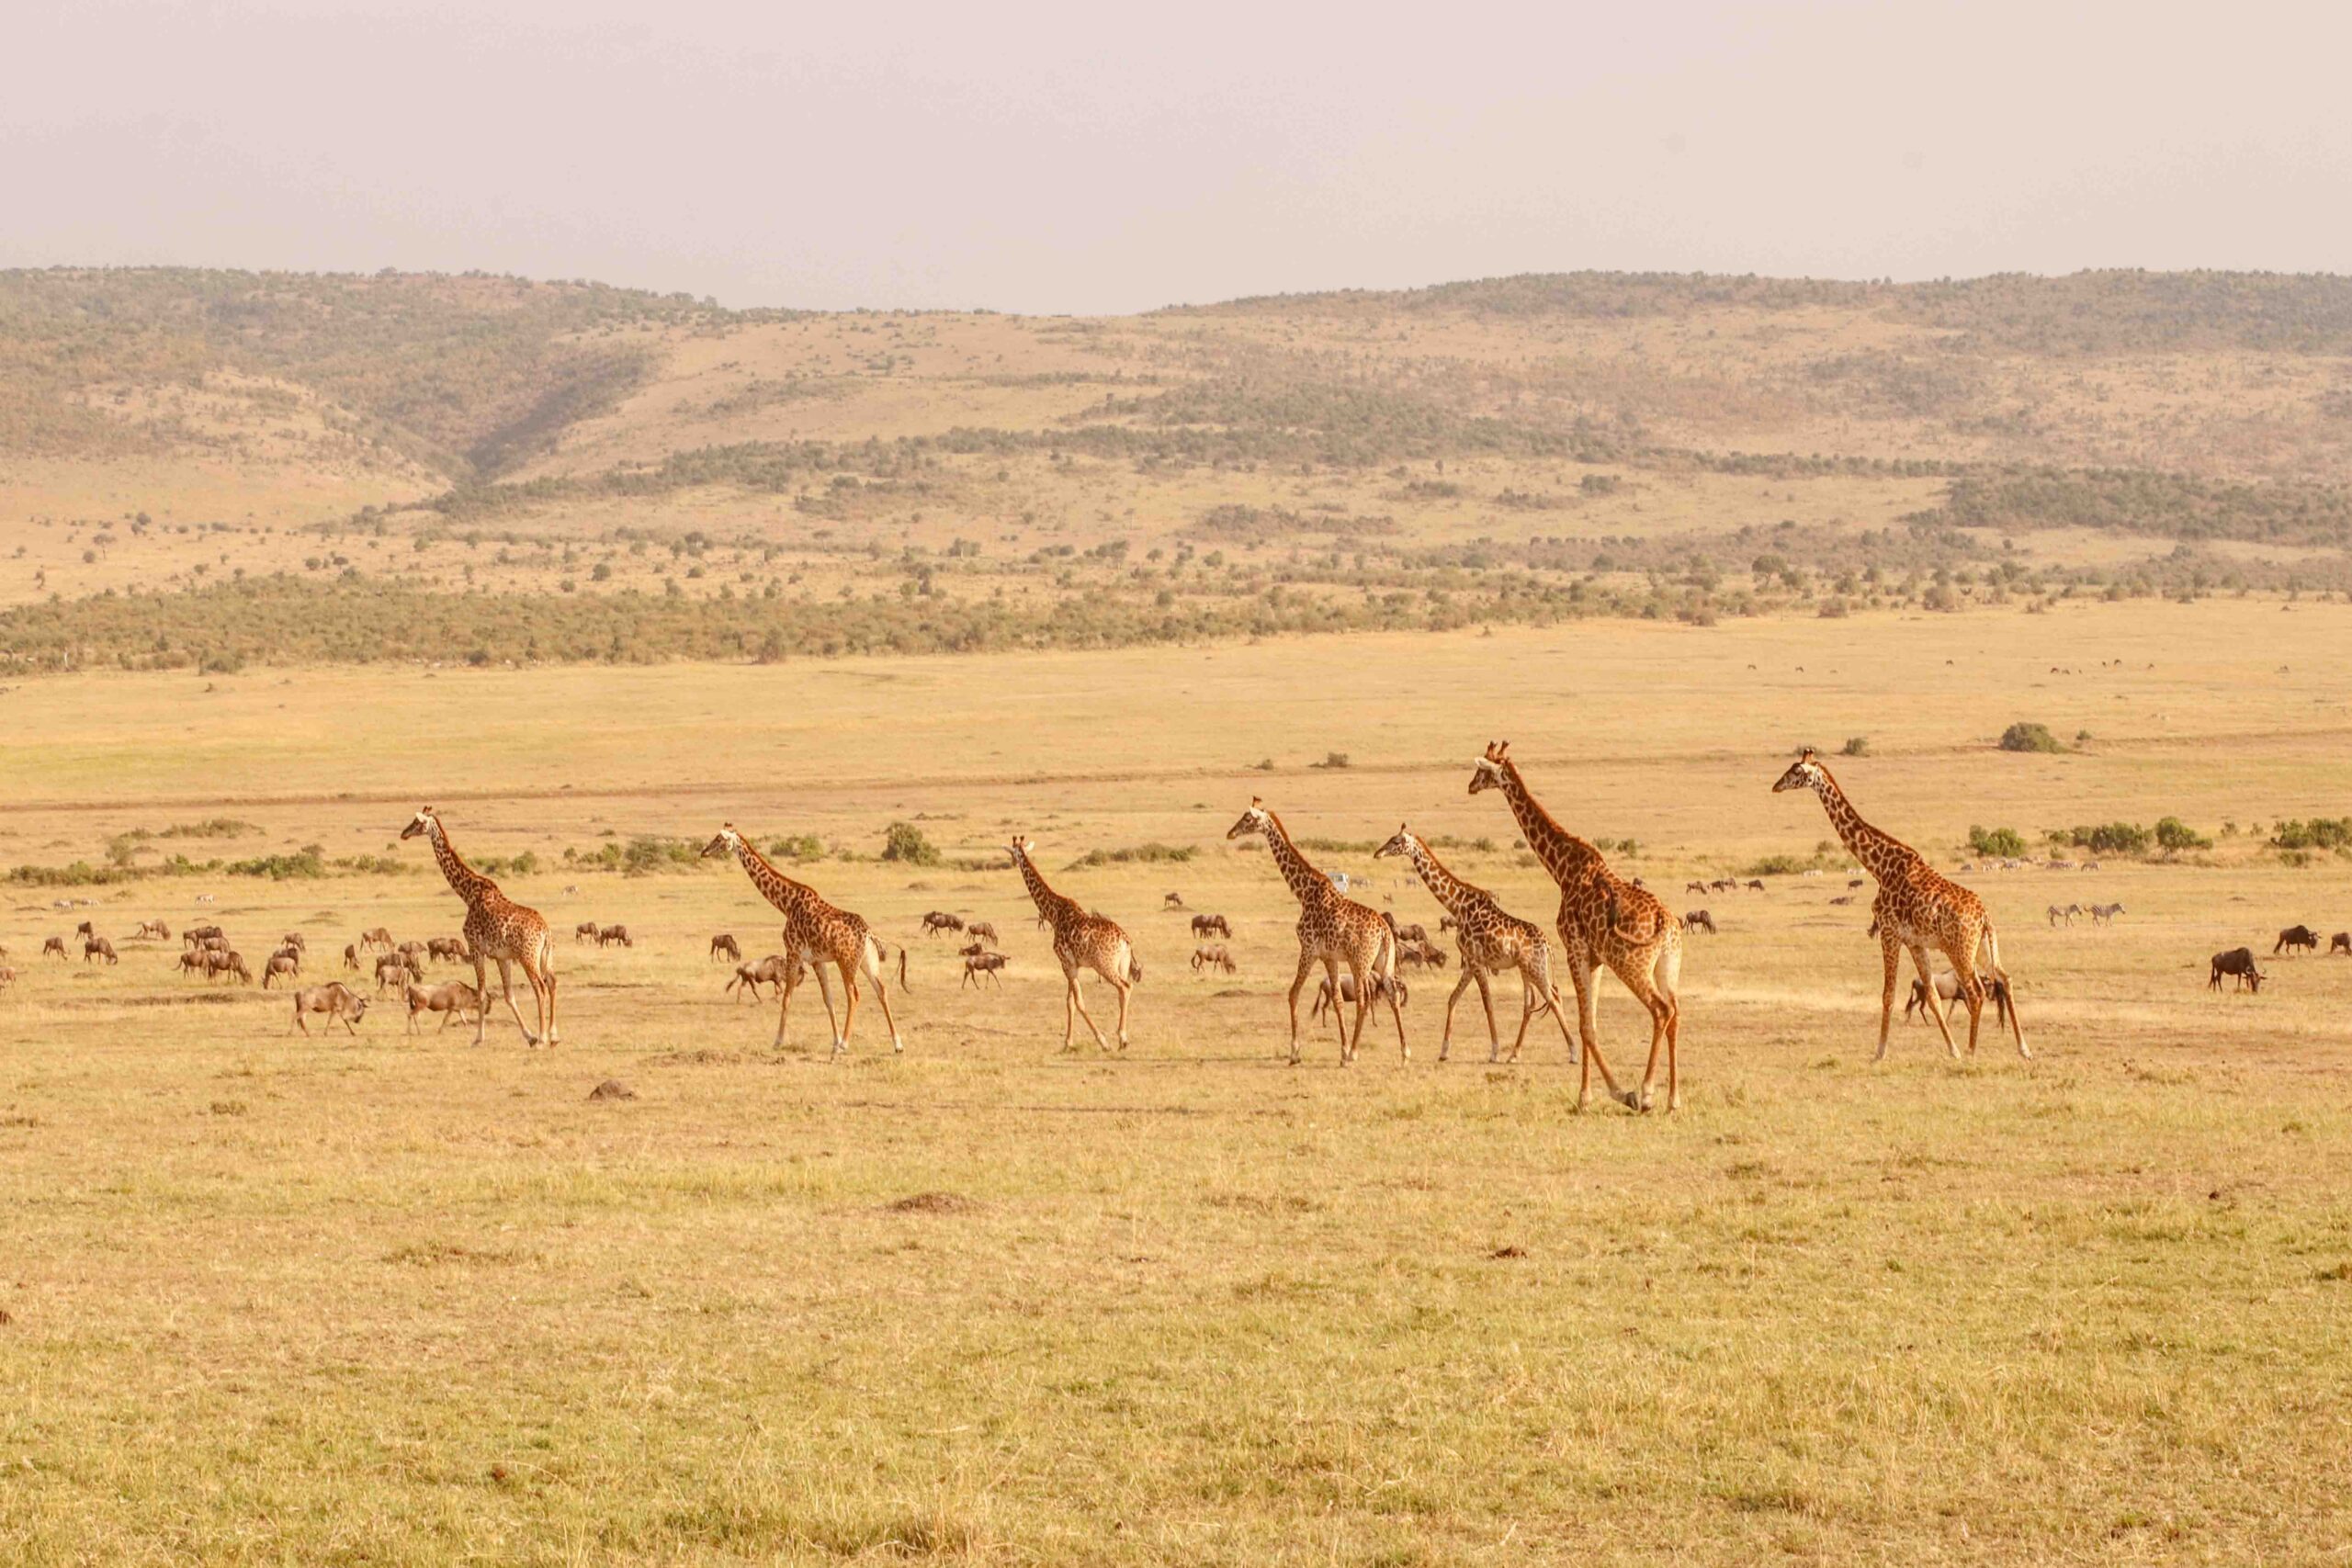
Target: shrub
[904,842]
[2109,839]
[2025,737]
[2001,843]
[2319,833]
[2173,836]
[1331,760]
[1144,854]
[797,847]
[1856,746]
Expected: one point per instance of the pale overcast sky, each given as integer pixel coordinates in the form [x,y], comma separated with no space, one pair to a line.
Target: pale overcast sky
[1105,157]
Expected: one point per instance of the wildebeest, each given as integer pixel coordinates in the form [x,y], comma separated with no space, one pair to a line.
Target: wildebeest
[1996,991]
[336,999]
[723,946]
[196,936]
[194,961]
[1700,921]
[1698,887]
[612,934]
[979,963]
[2295,937]
[294,940]
[1406,935]
[1756,888]
[84,931]
[2340,943]
[351,956]
[451,948]
[414,953]
[586,930]
[1213,956]
[98,947]
[935,921]
[392,969]
[982,931]
[1380,989]
[777,969]
[155,928]
[55,944]
[292,954]
[220,961]
[1171,901]
[2238,961]
[452,1001]
[1422,952]
[1212,925]
[281,963]
[378,937]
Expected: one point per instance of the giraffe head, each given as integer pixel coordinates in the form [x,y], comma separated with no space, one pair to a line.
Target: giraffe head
[1805,772]
[1022,847]
[1254,821]
[424,821]
[1487,772]
[1399,843]
[728,842]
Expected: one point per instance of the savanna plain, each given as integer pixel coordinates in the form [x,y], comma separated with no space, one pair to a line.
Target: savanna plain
[394,1299]
[2052,570]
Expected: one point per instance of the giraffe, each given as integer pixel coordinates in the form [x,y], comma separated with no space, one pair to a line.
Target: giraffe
[497,929]
[1082,940]
[1916,909]
[1491,940]
[818,934]
[1333,930]
[1604,919]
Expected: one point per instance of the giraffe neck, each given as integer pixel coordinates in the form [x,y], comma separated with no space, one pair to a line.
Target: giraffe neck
[774,887]
[1881,854]
[1050,904]
[1565,856]
[1310,885]
[1444,887]
[464,880]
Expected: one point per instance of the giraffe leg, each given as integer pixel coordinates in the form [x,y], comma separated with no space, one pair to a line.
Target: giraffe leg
[1494,1035]
[1928,978]
[1339,1021]
[849,1004]
[506,982]
[1350,1040]
[1125,989]
[783,1005]
[1069,1006]
[1396,1013]
[482,990]
[882,993]
[1078,999]
[1972,989]
[546,971]
[1637,978]
[825,989]
[1530,1004]
[1891,947]
[542,997]
[1445,1042]
[1298,981]
[1580,973]
[1568,1035]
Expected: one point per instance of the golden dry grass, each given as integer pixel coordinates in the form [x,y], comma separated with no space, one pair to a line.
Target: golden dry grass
[376,1300]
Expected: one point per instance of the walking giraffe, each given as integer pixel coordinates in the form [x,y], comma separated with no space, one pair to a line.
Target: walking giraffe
[1333,930]
[1491,940]
[1916,907]
[818,934]
[1603,919]
[497,929]
[1082,940]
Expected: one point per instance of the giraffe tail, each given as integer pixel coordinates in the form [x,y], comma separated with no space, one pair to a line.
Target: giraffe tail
[2008,996]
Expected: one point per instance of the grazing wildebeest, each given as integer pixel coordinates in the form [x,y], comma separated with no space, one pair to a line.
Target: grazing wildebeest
[586,930]
[451,948]
[612,934]
[219,961]
[723,946]
[981,931]
[2340,943]
[281,963]
[1756,888]
[1380,990]
[1212,925]
[292,955]
[1948,997]
[351,956]
[155,928]
[1172,902]
[84,931]
[1700,921]
[980,963]
[336,999]
[392,969]
[294,940]
[414,953]
[193,960]
[2294,937]
[452,1001]
[98,947]
[1415,932]
[936,922]
[2238,961]
[1213,956]
[196,936]
[1698,887]
[55,944]
[378,937]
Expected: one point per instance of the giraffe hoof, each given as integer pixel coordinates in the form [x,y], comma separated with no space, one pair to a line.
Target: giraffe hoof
[1629,1100]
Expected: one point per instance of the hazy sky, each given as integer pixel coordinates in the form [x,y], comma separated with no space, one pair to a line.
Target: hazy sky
[1114,157]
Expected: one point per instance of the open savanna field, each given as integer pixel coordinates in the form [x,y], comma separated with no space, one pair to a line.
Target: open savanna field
[270,1299]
